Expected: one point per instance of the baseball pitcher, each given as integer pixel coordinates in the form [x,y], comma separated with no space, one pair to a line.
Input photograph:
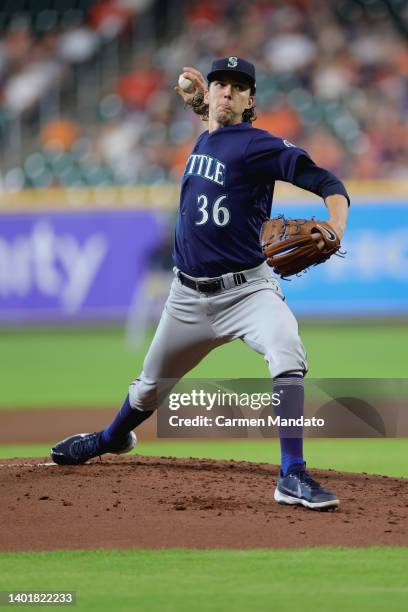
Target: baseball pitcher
[224,287]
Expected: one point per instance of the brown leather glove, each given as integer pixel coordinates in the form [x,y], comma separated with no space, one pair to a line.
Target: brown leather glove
[293,245]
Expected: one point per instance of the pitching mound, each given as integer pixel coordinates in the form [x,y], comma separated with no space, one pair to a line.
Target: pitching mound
[154,502]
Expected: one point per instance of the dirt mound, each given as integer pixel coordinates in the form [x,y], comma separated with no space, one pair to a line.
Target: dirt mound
[153,502]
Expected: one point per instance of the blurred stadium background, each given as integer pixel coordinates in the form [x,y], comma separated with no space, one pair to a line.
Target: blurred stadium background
[93,144]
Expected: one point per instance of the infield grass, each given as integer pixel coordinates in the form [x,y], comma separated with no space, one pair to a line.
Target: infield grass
[184,580]
[380,456]
[53,367]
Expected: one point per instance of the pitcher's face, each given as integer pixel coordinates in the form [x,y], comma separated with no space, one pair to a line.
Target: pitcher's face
[227,99]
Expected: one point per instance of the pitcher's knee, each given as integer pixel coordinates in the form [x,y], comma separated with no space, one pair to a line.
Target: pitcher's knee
[143,394]
[290,356]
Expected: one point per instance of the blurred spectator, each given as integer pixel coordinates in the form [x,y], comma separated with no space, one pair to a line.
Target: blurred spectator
[281,121]
[137,87]
[78,45]
[60,135]
[26,87]
[110,19]
[289,49]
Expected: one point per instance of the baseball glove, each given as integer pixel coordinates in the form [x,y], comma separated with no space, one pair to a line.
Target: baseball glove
[291,245]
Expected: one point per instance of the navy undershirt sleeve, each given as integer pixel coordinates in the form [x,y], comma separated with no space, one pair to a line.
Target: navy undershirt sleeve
[317,180]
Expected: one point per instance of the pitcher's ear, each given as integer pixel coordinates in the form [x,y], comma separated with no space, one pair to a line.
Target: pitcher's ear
[251,102]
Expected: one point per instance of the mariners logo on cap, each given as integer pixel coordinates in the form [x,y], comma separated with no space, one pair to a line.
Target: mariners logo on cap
[232,62]
[234,65]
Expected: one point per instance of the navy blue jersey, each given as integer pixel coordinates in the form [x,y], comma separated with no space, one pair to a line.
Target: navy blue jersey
[226,194]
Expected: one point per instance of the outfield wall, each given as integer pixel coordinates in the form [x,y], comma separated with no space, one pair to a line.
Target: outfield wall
[74,266]
[98,256]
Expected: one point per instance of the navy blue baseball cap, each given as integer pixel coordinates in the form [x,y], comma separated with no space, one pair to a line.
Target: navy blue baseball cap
[233,65]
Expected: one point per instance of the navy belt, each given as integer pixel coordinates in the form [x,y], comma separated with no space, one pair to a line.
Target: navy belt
[213,285]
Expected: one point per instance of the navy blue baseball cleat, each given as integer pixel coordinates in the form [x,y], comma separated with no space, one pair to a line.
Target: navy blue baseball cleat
[81,447]
[298,487]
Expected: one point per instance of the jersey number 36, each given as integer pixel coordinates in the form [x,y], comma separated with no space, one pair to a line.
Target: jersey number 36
[220,214]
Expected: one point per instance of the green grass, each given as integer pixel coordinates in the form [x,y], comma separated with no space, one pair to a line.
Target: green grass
[183,580]
[93,367]
[379,456]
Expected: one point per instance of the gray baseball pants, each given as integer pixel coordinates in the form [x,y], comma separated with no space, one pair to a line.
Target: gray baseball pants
[193,324]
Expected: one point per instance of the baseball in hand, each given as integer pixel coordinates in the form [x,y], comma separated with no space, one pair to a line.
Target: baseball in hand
[185,84]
